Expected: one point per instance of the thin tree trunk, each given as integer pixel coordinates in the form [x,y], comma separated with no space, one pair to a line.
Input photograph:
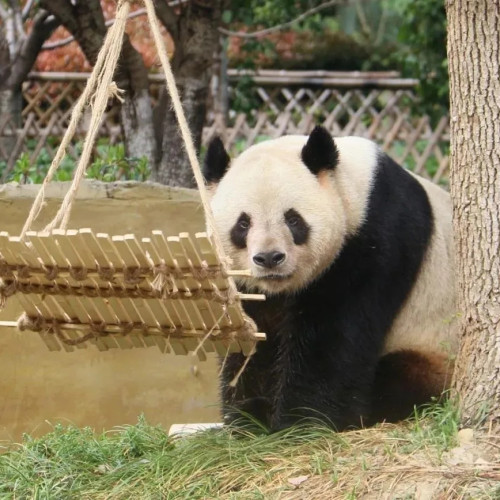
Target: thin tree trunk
[85,21]
[474,56]
[195,45]
[11,103]
[17,56]
[173,167]
[137,109]
[10,98]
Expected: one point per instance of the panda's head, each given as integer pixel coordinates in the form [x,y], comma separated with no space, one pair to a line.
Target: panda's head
[281,209]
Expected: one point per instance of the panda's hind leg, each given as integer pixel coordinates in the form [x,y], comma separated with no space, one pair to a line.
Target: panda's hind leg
[405,379]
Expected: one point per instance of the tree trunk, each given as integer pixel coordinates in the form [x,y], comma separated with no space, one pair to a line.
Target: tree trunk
[10,99]
[85,21]
[137,109]
[17,56]
[11,104]
[195,44]
[474,55]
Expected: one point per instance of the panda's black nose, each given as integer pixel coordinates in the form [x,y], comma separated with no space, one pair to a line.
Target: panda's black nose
[269,259]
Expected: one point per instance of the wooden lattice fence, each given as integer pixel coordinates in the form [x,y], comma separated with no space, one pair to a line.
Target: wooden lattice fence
[372,105]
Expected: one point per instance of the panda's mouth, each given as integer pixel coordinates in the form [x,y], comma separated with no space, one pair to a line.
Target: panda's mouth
[274,277]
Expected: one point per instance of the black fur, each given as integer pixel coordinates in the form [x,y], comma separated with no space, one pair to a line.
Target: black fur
[320,151]
[406,379]
[324,343]
[239,232]
[216,161]
[298,226]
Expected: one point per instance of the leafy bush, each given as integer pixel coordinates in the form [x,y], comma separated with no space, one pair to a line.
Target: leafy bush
[110,163]
[422,53]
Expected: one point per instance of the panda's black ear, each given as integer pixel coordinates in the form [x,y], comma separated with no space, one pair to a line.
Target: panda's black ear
[216,161]
[320,151]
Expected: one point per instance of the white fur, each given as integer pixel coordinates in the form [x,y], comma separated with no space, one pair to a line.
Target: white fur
[427,322]
[267,180]
[270,178]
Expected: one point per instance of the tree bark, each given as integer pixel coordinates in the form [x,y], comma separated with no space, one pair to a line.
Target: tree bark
[85,21]
[18,52]
[196,41]
[474,55]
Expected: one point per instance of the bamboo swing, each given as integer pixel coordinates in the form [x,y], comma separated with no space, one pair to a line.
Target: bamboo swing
[78,288]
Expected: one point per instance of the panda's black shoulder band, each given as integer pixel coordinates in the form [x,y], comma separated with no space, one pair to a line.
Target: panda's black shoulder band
[320,151]
[216,161]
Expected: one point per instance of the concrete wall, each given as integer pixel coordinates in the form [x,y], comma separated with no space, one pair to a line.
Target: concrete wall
[100,389]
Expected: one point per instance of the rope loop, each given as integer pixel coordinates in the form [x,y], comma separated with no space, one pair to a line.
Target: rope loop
[6,290]
[23,272]
[106,273]
[5,269]
[78,273]
[51,272]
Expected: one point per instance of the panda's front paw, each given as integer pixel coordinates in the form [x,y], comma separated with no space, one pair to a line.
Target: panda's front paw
[251,410]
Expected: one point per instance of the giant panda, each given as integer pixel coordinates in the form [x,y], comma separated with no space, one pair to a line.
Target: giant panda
[354,254]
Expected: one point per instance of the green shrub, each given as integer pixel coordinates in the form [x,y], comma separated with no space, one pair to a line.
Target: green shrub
[110,163]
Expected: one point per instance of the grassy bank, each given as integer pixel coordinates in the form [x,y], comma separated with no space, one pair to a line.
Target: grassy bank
[417,458]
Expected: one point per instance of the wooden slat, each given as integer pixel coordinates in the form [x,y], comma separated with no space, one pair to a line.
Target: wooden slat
[91,242]
[78,242]
[39,248]
[182,262]
[137,250]
[49,339]
[53,249]
[150,319]
[5,252]
[23,251]
[113,257]
[153,254]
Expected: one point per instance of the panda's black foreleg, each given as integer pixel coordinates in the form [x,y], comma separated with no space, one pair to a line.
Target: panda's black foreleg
[340,407]
[325,376]
[250,398]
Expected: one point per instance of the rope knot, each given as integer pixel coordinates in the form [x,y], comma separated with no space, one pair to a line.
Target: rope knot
[35,324]
[23,272]
[6,290]
[5,269]
[51,272]
[98,328]
[78,273]
[106,273]
[133,275]
[126,328]
[114,92]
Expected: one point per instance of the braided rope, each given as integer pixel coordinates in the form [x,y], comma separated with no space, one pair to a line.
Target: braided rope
[183,126]
[105,89]
[9,287]
[100,87]
[244,333]
[98,84]
[131,275]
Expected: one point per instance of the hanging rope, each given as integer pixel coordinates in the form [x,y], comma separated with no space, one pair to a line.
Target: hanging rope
[101,80]
[100,87]
[105,89]
[193,158]
[184,127]
[98,84]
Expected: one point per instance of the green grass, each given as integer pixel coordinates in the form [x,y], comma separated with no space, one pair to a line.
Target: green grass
[141,461]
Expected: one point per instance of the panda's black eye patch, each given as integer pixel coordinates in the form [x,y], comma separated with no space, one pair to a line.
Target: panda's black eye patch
[239,231]
[298,226]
